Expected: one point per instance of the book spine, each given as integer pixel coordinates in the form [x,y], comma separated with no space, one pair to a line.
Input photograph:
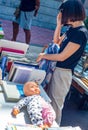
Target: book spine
[11,79]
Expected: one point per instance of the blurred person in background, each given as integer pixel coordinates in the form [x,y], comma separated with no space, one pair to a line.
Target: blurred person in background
[27,9]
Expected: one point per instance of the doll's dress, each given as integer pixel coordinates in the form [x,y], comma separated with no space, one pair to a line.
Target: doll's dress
[39,110]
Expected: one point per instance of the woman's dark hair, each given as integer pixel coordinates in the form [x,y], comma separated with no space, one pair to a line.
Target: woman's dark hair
[72,10]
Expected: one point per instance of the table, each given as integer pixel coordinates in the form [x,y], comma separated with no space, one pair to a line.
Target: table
[79,85]
[79,74]
[5,112]
[83,89]
[6,107]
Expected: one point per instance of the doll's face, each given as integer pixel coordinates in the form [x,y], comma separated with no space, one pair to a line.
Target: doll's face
[31,88]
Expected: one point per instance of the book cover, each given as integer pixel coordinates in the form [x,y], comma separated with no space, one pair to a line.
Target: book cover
[20,73]
[12,91]
[16,66]
[13,69]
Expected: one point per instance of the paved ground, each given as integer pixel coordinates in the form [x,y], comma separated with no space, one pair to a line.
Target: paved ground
[39,35]
[72,116]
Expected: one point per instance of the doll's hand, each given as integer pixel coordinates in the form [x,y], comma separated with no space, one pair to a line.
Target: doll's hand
[45,125]
[35,13]
[15,111]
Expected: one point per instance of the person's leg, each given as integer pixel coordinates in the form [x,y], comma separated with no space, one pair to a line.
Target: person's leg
[25,23]
[58,89]
[15,31]
[27,35]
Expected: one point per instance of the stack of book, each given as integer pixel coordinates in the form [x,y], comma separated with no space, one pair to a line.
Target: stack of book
[21,73]
[5,51]
[12,46]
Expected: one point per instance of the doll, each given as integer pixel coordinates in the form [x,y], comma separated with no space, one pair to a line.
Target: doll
[40,112]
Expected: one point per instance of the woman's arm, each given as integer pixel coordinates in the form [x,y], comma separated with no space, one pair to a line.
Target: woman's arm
[56,37]
[70,49]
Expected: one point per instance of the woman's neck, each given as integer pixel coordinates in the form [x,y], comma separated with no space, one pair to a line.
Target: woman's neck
[76,24]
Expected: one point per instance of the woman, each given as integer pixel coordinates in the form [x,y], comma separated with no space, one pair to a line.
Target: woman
[71,13]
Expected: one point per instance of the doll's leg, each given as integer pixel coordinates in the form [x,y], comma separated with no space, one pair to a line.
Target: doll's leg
[35,115]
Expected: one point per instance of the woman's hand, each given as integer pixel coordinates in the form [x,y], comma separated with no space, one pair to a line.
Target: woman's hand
[36,10]
[59,17]
[40,57]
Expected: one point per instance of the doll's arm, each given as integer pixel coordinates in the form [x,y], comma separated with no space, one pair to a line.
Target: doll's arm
[23,102]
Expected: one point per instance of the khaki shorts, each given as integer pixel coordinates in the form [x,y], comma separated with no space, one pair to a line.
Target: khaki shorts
[25,19]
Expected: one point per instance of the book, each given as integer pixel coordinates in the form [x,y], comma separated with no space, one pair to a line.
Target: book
[12,50]
[12,54]
[13,69]
[7,53]
[11,72]
[21,73]
[33,52]
[22,127]
[20,61]
[14,45]
[14,91]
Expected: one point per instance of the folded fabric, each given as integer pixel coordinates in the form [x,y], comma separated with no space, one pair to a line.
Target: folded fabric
[48,65]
